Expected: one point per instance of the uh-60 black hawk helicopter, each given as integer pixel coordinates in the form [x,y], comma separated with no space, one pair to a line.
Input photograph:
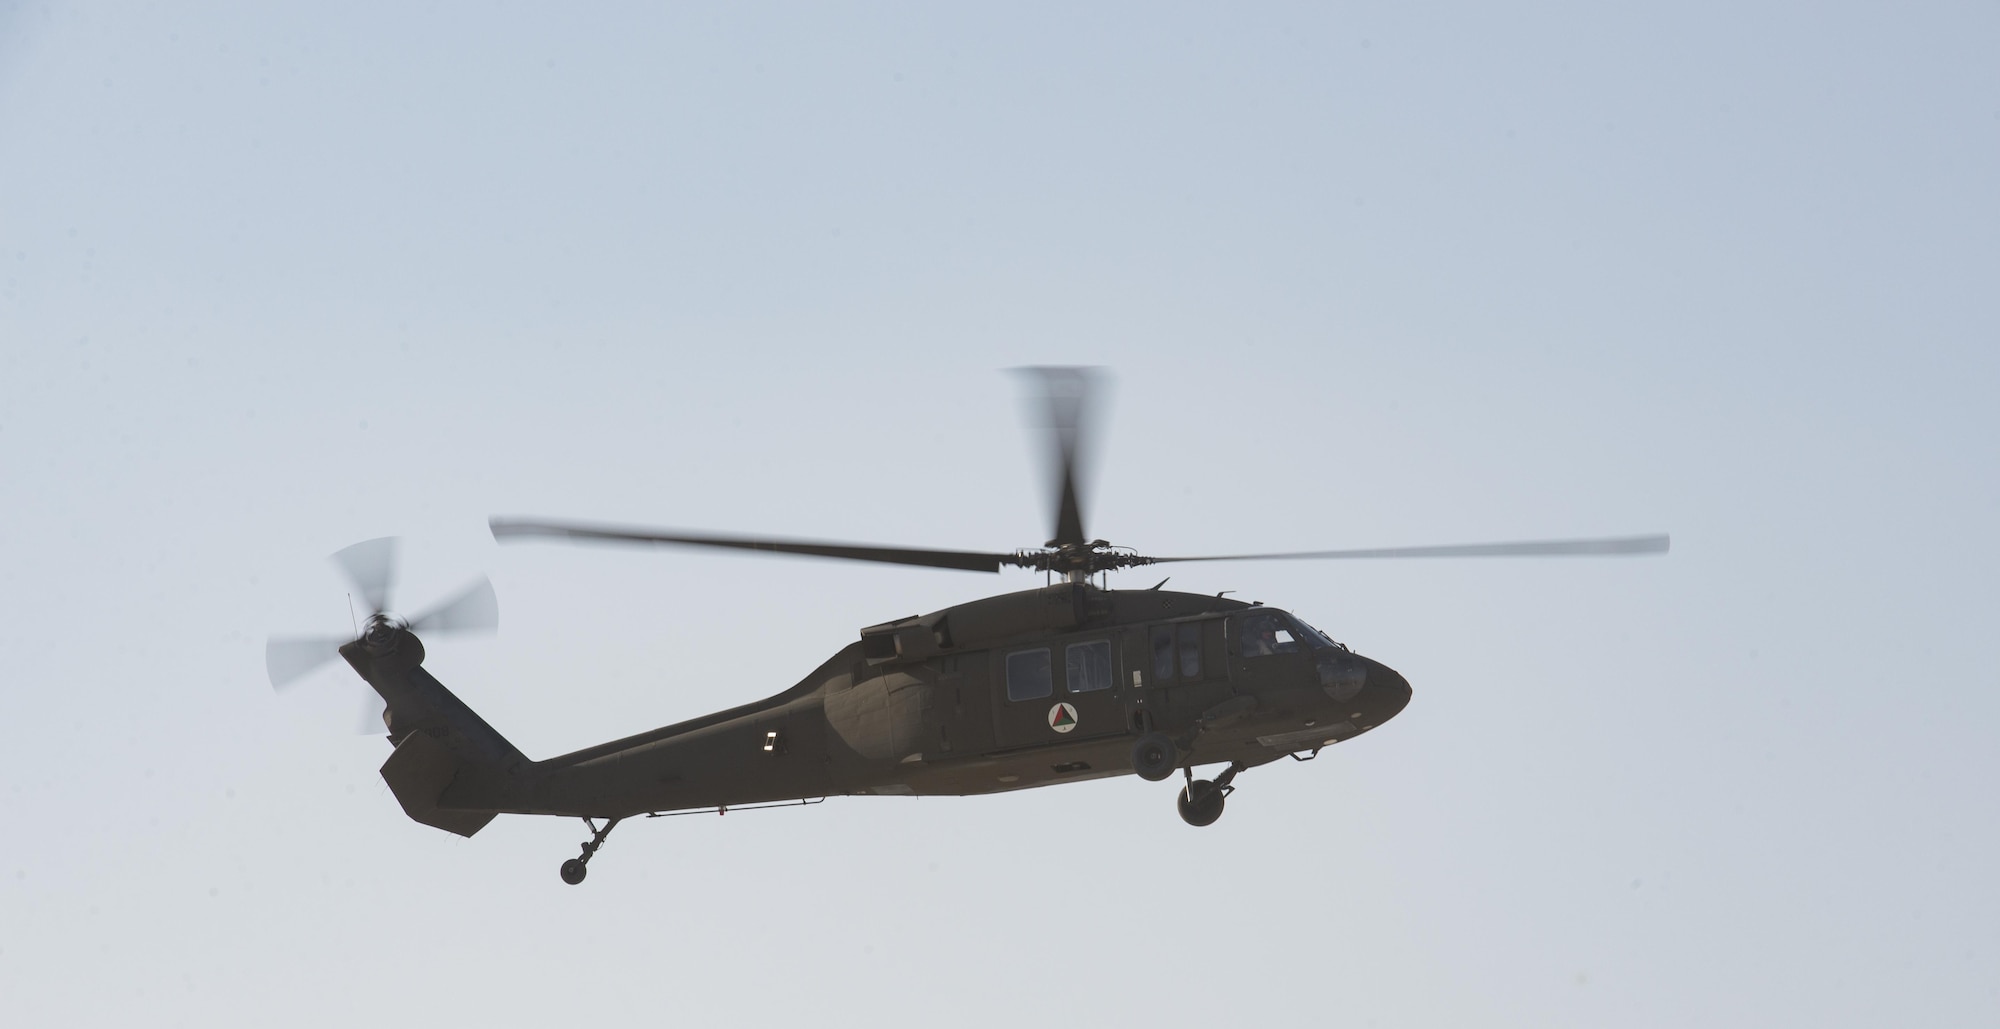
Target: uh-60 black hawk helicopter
[1064,683]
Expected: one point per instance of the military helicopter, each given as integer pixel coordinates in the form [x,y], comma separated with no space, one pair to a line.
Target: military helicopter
[1064,683]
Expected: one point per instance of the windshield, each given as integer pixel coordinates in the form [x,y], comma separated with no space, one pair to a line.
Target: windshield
[1266,632]
[1314,637]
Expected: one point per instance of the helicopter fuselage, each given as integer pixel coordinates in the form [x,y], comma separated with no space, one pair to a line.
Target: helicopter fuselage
[1010,692]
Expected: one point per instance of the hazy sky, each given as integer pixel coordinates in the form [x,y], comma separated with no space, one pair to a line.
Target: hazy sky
[278,278]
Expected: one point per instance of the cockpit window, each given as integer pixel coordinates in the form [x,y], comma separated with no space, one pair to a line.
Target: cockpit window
[1313,637]
[1265,633]
[1317,637]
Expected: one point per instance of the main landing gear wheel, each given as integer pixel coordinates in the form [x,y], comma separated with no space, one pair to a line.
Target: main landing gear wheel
[1200,802]
[574,869]
[1154,756]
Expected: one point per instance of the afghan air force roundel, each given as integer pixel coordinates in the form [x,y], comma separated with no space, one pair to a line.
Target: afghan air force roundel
[1062,718]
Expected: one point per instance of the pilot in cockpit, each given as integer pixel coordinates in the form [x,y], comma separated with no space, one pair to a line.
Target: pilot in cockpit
[1264,634]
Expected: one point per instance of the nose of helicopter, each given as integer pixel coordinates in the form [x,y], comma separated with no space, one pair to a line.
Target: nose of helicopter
[1387,691]
[1367,691]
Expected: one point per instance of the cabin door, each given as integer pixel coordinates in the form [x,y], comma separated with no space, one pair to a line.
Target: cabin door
[1061,691]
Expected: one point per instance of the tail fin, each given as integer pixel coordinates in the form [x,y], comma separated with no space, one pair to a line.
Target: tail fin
[450,770]
[419,773]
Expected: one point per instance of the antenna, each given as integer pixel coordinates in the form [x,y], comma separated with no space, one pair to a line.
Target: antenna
[350,615]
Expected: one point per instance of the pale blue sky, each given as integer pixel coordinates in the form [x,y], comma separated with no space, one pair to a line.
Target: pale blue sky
[275,279]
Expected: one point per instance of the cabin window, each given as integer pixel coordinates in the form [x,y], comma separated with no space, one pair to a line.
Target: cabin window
[1028,674]
[1087,666]
[1190,637]
[1163,653]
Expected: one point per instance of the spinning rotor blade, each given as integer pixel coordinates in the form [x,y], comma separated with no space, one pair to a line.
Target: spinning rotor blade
[288,659]
[1618,546]
[476,607]
[966,560]
[1066,398]
[371,566]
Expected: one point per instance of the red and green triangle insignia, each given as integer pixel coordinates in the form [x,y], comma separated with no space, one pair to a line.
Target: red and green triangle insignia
[1063,717]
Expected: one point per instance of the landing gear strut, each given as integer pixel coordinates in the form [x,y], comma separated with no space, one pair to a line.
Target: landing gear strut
[576,868]
[1200,802]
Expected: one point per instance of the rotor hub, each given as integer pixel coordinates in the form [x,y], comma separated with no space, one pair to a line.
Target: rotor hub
[381,633]
[1078,561]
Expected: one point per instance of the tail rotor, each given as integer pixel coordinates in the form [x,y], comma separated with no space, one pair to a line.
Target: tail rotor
[371,566]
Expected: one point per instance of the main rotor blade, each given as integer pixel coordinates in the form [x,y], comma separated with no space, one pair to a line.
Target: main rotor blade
[1066,398]
[371,566]
[290,658]
[1618,546]
[476,607]
[966,560]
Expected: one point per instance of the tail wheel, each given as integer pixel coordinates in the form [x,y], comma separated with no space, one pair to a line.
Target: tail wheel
[573,871]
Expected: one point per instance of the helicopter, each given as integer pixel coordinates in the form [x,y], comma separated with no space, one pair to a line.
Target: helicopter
[1067,682]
